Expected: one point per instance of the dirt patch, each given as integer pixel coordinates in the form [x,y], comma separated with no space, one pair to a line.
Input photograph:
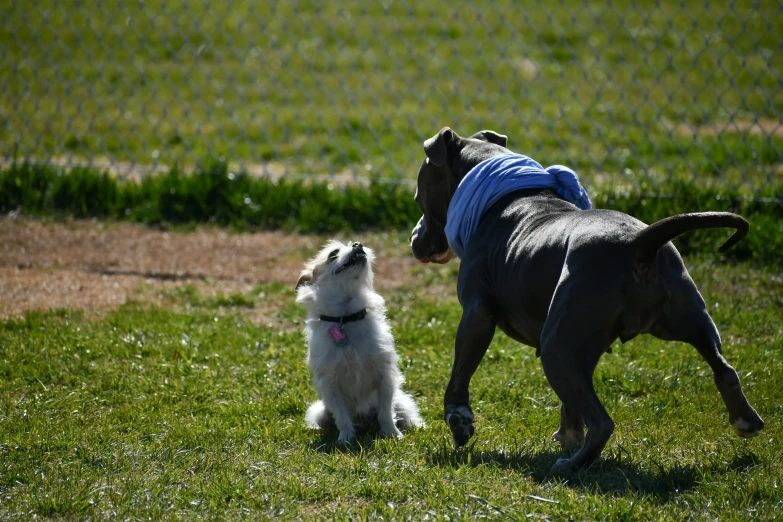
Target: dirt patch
[762,127]
[273,170]
[96,266]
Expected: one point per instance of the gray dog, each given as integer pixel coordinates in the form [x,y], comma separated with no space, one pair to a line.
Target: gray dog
[567,282]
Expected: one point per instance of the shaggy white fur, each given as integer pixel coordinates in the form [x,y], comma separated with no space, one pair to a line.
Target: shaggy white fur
[362,377]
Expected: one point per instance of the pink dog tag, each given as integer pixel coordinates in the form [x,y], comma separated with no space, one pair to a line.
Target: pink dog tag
[337,334]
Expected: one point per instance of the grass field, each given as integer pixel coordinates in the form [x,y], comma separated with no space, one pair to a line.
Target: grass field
[187,399]
[620,93]
[192,411]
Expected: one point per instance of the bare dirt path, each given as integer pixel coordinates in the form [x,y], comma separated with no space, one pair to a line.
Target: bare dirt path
[96,266]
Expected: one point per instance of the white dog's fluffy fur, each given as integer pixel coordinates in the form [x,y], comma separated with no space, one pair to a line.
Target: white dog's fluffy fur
[361,378]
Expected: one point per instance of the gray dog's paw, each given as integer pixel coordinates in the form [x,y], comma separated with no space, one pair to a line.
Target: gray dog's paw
[562,466]
[749,427]
[460,421]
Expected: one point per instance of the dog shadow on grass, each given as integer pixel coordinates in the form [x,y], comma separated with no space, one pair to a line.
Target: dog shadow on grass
[367,434]
[613,474]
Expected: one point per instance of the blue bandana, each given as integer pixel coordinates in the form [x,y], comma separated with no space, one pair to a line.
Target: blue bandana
[492,179]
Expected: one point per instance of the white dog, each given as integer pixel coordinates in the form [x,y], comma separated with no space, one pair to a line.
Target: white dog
[351,349]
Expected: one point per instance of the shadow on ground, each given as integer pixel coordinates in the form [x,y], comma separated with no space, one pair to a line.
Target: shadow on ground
[613,474]
[368,432]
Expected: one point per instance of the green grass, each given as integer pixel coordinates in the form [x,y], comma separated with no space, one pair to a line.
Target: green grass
[350,86]
[214,195]
[147,413]
[190,296]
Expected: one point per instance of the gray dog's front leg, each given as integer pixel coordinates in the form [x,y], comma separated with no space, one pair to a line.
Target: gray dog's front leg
[475,332]
[572,429]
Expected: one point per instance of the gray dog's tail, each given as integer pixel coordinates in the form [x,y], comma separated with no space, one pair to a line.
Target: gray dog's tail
[649,240]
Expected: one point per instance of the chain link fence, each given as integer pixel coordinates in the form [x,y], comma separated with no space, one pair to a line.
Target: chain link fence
[629,93]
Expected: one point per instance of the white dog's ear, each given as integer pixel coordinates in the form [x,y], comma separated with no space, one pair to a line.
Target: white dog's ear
[303,280]
[309,275]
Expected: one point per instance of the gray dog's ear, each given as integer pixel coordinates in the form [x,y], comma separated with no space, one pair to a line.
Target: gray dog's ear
[492,137]
[436,147]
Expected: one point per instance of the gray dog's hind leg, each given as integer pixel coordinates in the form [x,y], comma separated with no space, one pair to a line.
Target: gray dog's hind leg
[573,382]
[474,334]
[698,329]
[572,341]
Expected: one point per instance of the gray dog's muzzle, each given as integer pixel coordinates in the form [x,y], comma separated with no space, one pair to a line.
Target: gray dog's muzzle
[426,248]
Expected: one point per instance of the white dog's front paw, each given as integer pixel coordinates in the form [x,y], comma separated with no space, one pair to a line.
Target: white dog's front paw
[391,431]
[346,437]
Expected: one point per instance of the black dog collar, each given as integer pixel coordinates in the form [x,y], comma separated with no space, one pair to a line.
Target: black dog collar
[358,316]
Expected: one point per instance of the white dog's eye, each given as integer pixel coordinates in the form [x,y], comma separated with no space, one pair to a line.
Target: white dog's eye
[333,254]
